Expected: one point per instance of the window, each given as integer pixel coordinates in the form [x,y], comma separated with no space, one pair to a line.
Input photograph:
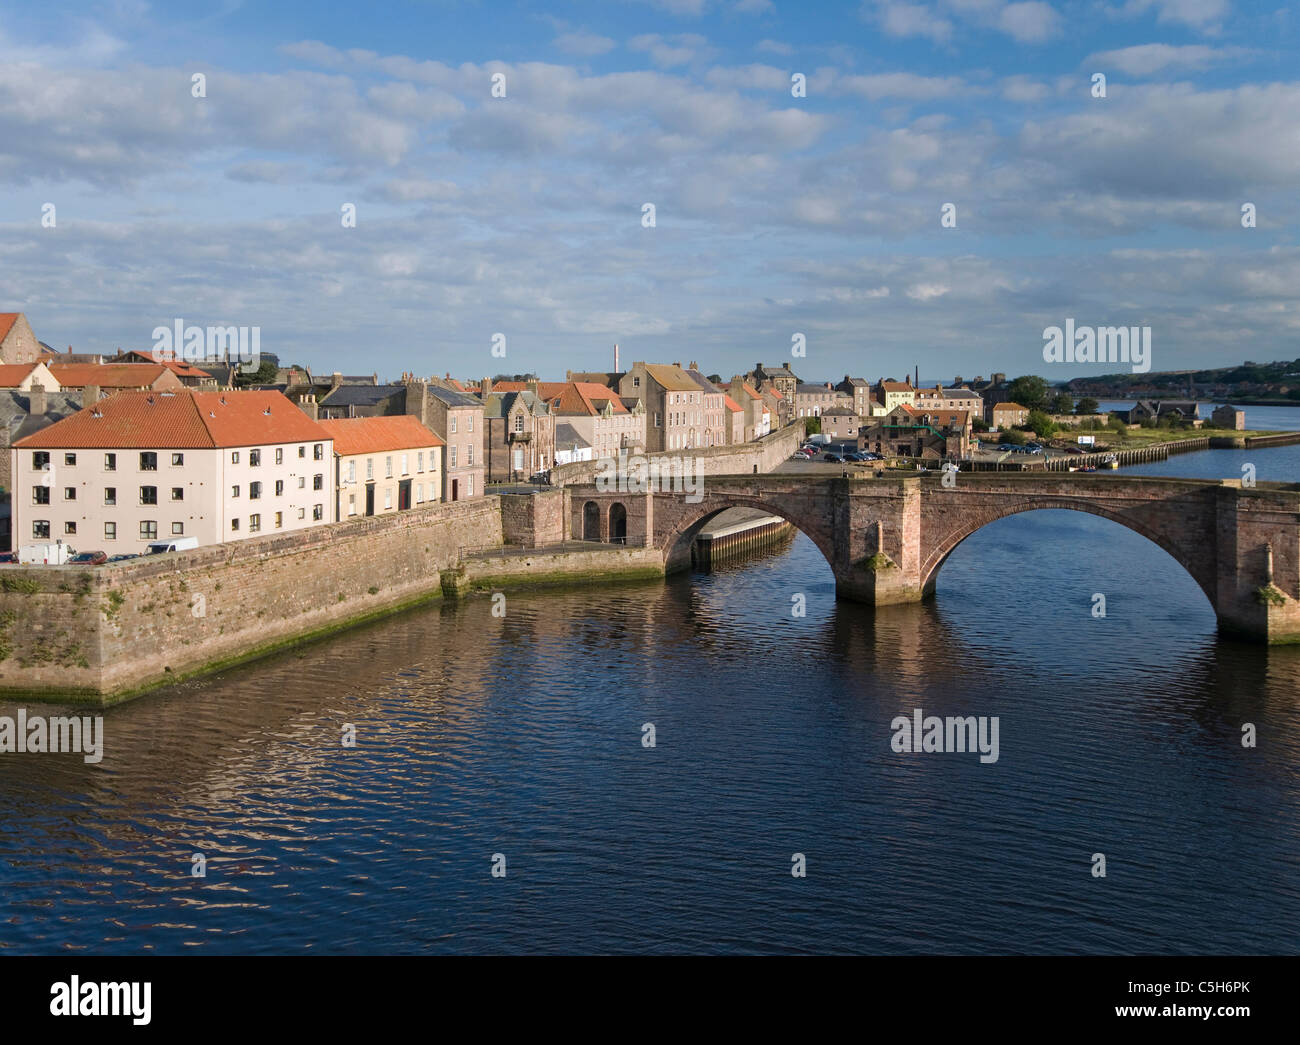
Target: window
[148,495]
[70,528]
[318,451]
[234,525]
[279,519]
[419,493]
[656,418]
[110,531]
[254,522]
[178,460]
[388,466]
[302,482]
[370,467]
[279,455]
[40,495]
[318,481]
[406,460]
[452,421]
[148,530]
[636,382]
[388,498]
[178,493]
[69,493]
[110,462]
[302,513]
[452,460]
[254,459]
[469,487]
[519,422]
[469,455]
[318,512]
[279,488]
[110,495]
[352,471]
[40,528]
[352,504]
[178,529]
[302,451]
[469,423]
[148,462]
[69,459]
[234,457]
[234,491]
[40,459]
[254,490]
[419,461]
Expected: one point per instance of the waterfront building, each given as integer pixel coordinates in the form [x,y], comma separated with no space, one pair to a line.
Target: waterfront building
[893,394]
[710,428]
[457,419]
[840,423]
[782,378]
[814,400]
[673,403]
[384,465]
[941,398]
[927,435]
[1229,417]
[519,435]
[17,342]
[859,390]
[139,467]
[599,417]
[1007,415]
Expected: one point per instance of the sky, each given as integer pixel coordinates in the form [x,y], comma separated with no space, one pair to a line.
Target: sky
[781,216]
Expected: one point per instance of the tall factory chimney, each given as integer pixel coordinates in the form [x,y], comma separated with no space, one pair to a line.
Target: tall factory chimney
[616,370]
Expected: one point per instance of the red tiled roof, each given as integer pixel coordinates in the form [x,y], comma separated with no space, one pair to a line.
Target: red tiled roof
[177,366]
[731,404]
[942,417]
[7,320]
[584,397]
[547,390]
[14,374]
[1008,406]
[107,375]
[183,419]
[372,435]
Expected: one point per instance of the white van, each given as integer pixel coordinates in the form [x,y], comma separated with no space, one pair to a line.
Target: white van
[177,544]
[55,554]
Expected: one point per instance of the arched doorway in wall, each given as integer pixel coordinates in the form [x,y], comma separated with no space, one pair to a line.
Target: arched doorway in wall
[591,521]
[618,523]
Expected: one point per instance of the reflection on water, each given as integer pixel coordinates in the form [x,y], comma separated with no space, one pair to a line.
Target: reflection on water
[522,736]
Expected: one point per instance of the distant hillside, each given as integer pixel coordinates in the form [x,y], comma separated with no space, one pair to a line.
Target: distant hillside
[1246,382]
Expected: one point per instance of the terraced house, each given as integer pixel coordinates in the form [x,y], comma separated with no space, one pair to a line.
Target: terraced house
[519,434]
[384,465]
[148,466]
[598,417]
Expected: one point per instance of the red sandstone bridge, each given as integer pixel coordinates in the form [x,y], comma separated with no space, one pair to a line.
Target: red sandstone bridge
[886,539]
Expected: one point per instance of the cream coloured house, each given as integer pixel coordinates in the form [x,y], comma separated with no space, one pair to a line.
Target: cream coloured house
[384,464]
[140,467]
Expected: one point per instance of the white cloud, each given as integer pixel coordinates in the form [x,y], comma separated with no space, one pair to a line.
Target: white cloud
[1150,59]
[583,43]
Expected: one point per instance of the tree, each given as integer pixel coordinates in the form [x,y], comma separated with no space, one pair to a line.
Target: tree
[1086,405]
[714,379]
[1029,391]
[1012,438]
[980,425]
[263,375]
[1062,403]
[814,425]
[1041,424]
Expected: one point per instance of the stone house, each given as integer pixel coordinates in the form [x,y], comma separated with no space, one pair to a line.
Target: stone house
[457,419]
[519,436]
[17,342]
[384,464]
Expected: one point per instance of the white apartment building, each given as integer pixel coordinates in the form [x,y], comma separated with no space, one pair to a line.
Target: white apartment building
[149,466]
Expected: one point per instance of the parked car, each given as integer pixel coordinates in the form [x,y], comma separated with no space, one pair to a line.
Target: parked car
[833,458]
[89,559]
[540,478]
[8,558]
[854,455]
[124,557]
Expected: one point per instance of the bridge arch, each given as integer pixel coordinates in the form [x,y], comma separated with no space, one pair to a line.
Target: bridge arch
[937,553]
[677,538]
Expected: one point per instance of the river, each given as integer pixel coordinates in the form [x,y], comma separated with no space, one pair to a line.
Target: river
[523,736]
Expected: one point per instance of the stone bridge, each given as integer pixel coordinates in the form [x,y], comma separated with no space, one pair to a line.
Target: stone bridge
[886,539]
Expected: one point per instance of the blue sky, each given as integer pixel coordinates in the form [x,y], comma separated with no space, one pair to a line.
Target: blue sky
[775,215]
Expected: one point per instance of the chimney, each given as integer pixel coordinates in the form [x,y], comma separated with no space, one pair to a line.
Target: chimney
[36,400]
[308,405]
[90,395]
[917,384]
[485,386]
[532,386]
[336,379]
[616,359]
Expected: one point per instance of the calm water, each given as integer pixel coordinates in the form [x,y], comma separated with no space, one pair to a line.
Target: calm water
[522,736]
